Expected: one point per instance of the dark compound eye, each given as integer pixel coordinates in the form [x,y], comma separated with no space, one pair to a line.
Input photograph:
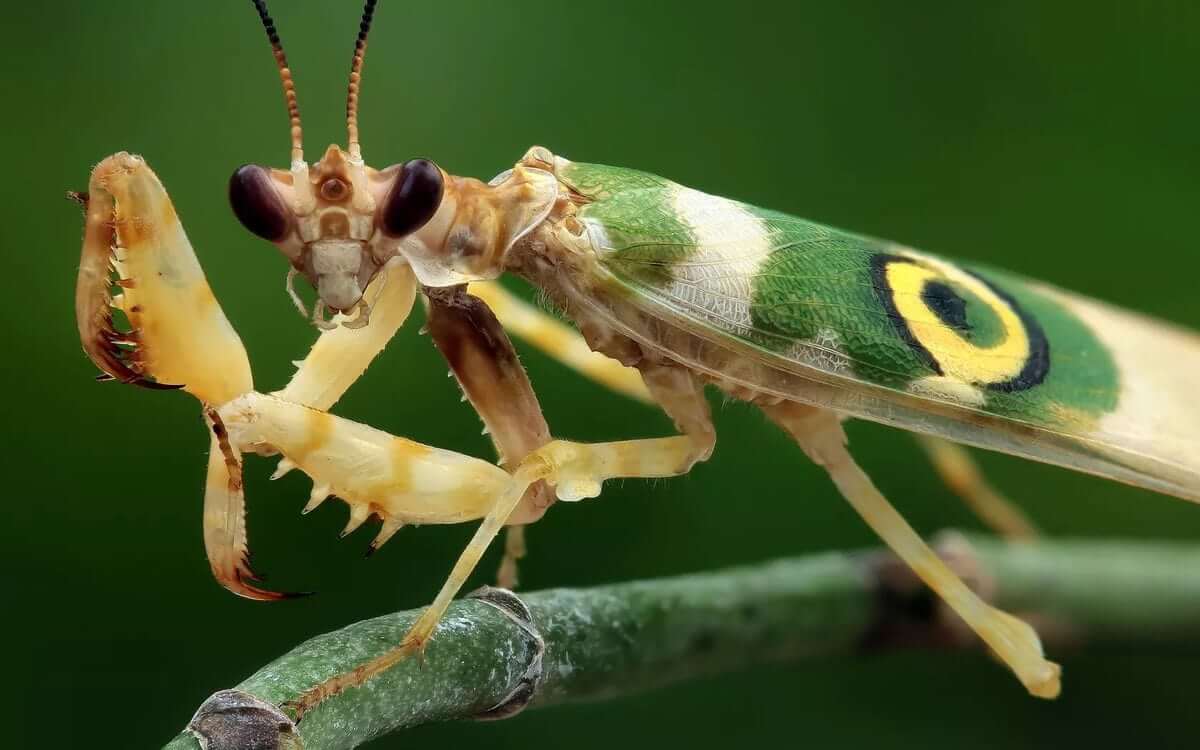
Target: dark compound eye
[414,198]
[256,204]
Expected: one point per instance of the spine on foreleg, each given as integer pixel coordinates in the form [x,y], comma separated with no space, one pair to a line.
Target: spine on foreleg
[376,473]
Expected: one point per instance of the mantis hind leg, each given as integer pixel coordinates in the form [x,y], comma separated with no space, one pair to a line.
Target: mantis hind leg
[563,343]
[819,433]
[962,475]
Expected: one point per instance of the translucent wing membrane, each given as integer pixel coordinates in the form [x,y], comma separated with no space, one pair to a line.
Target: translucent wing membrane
[776,304]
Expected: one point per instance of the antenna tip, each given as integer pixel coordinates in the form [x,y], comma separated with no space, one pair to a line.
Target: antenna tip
[356,64]
[285,75]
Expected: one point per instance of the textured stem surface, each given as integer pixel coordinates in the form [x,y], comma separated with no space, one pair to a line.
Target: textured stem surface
[618,639]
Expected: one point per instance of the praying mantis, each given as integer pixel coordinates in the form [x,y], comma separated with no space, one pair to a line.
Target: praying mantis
[669,291]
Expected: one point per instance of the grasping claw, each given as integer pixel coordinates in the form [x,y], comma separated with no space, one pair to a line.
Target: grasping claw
[114,351]
[179,334]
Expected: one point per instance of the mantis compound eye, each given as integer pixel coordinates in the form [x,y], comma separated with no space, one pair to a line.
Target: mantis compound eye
[413,199]
[256,203]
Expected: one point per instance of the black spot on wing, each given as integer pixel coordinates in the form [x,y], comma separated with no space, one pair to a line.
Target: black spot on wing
[946,304]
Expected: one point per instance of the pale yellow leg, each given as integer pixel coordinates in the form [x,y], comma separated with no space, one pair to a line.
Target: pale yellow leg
[577,471]
[514,552]
[962,475]
[340,355]
[820,435]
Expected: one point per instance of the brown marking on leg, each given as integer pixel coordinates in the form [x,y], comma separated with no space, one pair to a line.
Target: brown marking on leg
[514,550]
[399,479]
[134,231]
[231,460]
[486,365]
[225,540]
[319,425]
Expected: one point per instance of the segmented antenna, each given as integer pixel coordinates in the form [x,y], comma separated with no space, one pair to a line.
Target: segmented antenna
[285,75]
[356,65]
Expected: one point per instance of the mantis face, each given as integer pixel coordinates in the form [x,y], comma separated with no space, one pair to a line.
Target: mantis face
[339,222]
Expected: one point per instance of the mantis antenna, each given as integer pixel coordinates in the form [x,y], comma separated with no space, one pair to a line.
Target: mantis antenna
[285,76]
[356,65]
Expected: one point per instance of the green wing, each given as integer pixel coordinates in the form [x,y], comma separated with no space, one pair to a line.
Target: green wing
[881,331]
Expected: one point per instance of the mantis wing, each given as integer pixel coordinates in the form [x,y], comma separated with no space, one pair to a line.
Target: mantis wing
[783,306]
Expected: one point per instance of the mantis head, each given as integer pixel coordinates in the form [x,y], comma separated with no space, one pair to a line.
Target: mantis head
[338,221]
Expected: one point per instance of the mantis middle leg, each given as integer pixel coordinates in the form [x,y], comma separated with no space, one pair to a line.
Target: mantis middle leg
[483,360]
[575,470]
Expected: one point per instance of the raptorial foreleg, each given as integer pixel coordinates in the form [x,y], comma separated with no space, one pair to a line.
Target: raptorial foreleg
[178,336]
[340,354]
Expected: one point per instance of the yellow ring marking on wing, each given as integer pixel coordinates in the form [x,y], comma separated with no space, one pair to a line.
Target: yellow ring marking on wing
[958,357]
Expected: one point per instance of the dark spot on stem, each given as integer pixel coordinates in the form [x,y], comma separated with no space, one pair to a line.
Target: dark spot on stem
[702,642]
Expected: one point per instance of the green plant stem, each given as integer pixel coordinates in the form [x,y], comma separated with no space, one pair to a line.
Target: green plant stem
[617,639]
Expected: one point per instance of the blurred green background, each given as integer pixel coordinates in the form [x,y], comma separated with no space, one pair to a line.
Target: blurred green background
[1056,139]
